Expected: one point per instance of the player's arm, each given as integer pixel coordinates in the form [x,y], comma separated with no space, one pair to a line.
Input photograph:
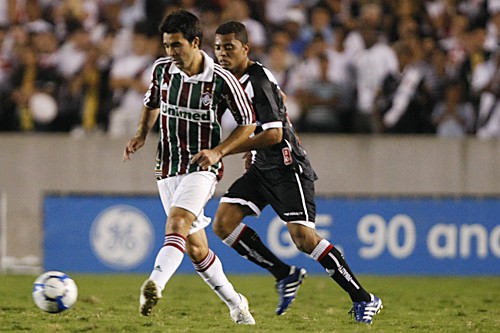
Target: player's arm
[146,122]
[208,157]
[149,115]
[266,138]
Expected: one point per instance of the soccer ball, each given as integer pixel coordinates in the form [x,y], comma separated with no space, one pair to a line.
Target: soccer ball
[54,292]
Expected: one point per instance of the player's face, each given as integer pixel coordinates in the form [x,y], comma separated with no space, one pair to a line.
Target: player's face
[180,49]
[230,52]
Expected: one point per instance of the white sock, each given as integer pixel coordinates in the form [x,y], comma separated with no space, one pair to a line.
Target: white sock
[234,235]
[210,269]
[168,259]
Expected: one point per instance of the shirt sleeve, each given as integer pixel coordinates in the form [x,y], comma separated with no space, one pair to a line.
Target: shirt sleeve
[237,101]
[266,98]
[152,96]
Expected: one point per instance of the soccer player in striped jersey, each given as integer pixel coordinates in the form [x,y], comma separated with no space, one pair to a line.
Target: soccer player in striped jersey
[279,175]
[189,93]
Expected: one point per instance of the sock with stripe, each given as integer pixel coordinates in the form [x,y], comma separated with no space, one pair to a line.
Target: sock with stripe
[210,269]
[249,245]
[336,266]
[168,259]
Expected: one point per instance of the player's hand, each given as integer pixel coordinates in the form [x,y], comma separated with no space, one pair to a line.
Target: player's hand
[206,158]
[247,156]
[132,146]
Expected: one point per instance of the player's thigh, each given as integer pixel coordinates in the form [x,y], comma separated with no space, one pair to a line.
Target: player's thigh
[228,217]
[246,191]
[194,191]
[190,191]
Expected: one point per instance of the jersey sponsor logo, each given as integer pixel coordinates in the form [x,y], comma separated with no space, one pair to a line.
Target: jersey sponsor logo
[287,156]
[188,114]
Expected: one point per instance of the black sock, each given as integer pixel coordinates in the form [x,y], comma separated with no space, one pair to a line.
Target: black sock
[250,246]
[337,268]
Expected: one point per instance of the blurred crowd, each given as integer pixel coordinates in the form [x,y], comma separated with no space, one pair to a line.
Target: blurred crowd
[346,66]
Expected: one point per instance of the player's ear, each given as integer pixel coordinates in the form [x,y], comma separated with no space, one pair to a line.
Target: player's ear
[196,42]
[246,47]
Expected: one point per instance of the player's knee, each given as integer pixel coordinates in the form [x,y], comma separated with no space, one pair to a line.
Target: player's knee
[224,223]
[178,225]
[305,240]
[227,218]
[302,245]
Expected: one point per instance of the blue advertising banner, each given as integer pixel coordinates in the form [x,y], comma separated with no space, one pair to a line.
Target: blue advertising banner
[403,236]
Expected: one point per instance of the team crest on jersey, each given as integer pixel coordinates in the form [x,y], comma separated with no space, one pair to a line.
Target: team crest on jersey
[206,97]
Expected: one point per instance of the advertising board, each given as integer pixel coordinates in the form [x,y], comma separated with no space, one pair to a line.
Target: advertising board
[393,236]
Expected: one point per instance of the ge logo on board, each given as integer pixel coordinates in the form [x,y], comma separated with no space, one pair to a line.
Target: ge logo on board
[121,237]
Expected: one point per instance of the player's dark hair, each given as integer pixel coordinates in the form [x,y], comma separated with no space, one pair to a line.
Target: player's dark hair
[184,22]
[236,28]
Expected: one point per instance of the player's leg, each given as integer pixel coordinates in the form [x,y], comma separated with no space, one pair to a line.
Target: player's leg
[229,227]
[248,196]
[170,255]
[209,267]
[183,198]
[168,258]
[308,241]
[365,305]
[247,243]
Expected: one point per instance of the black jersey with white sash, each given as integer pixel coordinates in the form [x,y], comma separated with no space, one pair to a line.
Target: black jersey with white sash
[270,110]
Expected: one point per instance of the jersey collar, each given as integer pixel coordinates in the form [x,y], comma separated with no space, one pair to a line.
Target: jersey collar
[205,76]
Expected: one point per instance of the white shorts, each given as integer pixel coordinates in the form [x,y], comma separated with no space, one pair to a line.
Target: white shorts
[190,192]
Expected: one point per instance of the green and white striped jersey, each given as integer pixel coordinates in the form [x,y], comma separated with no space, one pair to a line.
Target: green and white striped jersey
[191,109]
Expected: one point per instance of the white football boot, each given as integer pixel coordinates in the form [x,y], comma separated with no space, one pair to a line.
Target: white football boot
[150,294]
[241,314]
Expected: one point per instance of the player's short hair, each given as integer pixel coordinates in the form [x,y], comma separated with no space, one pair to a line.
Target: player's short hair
[184,22]
[232,27]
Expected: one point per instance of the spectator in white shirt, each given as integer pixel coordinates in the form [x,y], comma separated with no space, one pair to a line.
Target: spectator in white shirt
[486,85]
[72,53]
[129,78]
[372,65]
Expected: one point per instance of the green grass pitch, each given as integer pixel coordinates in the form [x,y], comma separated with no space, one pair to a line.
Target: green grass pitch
[109,303]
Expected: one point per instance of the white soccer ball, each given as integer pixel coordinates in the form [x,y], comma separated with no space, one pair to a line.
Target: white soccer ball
[54,292]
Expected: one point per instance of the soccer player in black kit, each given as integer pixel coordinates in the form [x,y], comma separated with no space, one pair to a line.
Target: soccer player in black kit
[278,174]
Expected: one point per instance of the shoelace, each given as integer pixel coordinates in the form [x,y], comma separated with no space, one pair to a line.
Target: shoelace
[352,313]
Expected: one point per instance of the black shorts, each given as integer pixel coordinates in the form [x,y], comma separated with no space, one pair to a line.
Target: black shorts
[290,194]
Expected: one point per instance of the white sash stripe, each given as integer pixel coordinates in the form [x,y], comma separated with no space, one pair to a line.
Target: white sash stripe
[240,98]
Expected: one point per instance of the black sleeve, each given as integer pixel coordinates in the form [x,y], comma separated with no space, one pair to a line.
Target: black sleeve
[266,100]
